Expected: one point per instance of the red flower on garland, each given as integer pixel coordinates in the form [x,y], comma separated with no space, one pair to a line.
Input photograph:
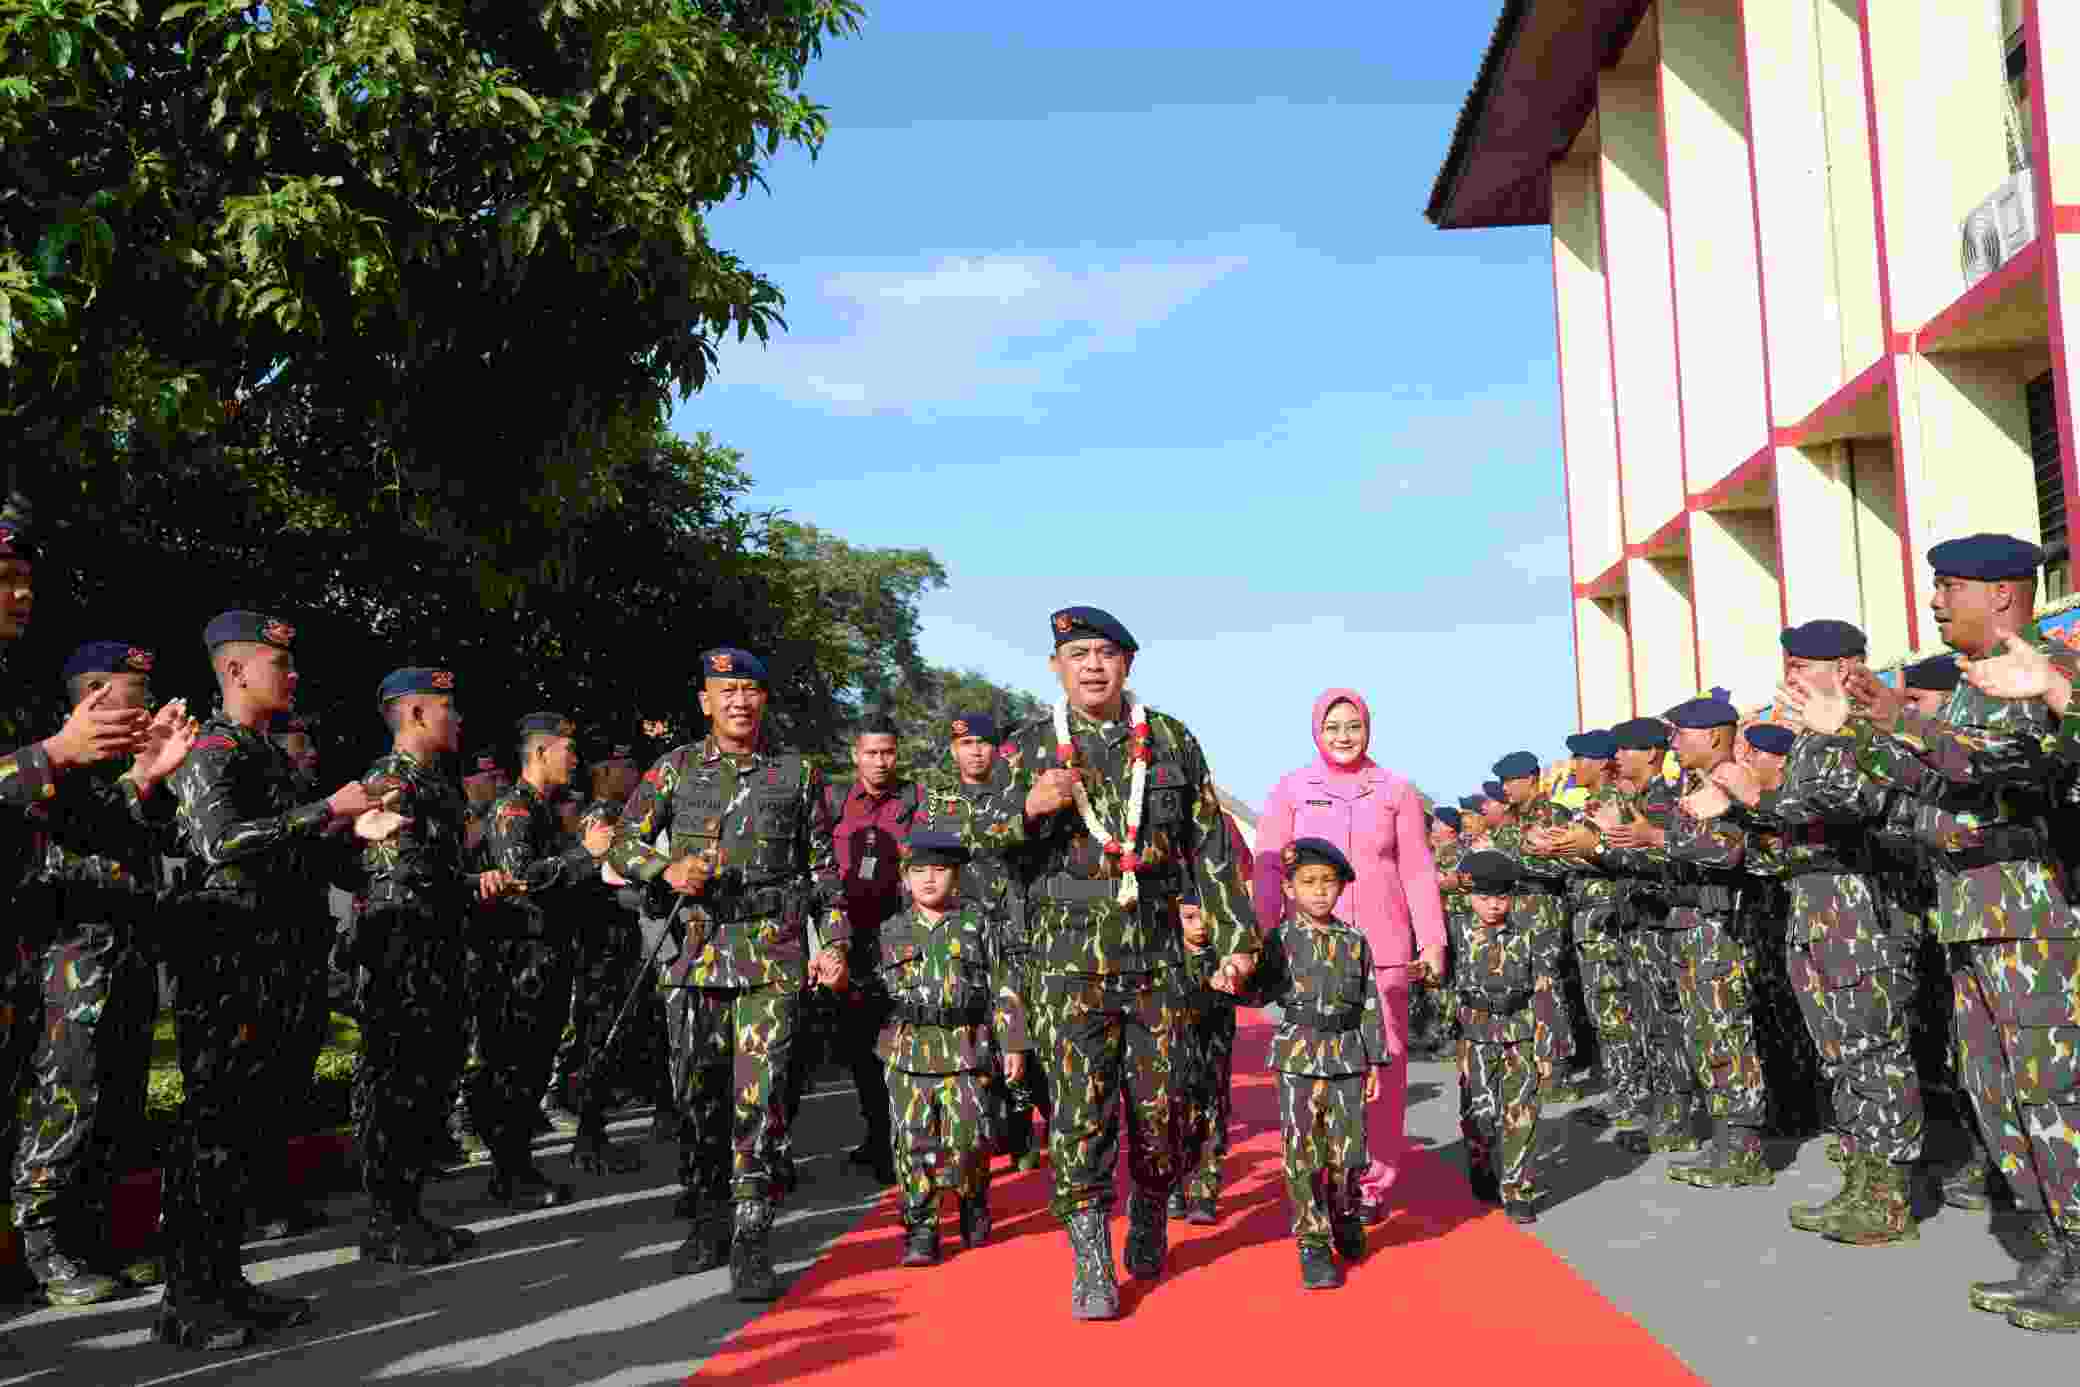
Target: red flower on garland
[1140,731]
[1128,862]
[1064,752]
[1112,847]
[1142,754]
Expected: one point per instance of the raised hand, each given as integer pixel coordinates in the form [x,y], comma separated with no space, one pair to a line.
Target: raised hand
[96,733]
[2020,671]
[1876,700]
[379,825]
[168,739]
[1739,781]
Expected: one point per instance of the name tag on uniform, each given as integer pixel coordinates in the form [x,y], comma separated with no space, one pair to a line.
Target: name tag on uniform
[866,866]
[1318,804]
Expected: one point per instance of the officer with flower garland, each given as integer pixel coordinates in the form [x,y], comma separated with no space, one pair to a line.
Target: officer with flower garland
[1108,809]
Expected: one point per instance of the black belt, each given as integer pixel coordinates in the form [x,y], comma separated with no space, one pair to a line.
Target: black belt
[1327,1022]
[1537,886]
[1496,1001]
[2000,843]
[953,1018]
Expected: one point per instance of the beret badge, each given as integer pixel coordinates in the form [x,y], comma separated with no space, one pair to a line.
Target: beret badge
[443,679]
[278,633]
[721,664]
[1062,622]
[139,660]
[960,727]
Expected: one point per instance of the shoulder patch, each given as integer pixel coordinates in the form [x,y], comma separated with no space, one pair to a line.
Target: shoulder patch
[216,741]
[512,809]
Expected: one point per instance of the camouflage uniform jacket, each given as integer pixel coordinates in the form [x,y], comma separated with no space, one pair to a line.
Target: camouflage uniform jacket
[422,864]
[770,831]
[1705,857]
[1321,977]
[1505,978]
[1182,830]
[96,833]
[525,838]
[1545,893]
[946,967]
[986,878]
[1985,765]
[239,813]
[1448,859]
[1593,880]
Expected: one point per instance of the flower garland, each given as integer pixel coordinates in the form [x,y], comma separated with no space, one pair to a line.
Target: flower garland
[1138,756]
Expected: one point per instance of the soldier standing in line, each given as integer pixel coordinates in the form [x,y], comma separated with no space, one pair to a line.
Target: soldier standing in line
[1989,777]
[1507,980]
[1100,899]
[238,975]
[974,770]
[1330,1045]
[479,792]
[406,948]
[102,833]
[520,961]
[953,1017]
[750,857]
[1541,887]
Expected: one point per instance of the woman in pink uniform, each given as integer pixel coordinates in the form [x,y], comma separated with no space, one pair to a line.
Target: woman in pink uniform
[1374,817]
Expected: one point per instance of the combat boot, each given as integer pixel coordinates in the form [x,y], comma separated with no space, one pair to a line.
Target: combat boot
[1094,1292]
[2031,1279]
[1482,1180]
[1970,1185]
[594,1154]
[1177,1207]
[395,1239]
[557,1112]
[707,1237]
[1882,1212]
[1203,1212]
[527,1188]
[1318,1270]
[751,1276]
[1348,1236]
[265,1309]
[1835,1151]
[2056,1308]
[66,1281]
[1714,1155]
[1520,1211]
[975,1220]
[921,1236]
[1667,1130]
[203,1325]
[1818,1218]
[1742,1164]
[1148,1236]
[1018,1135]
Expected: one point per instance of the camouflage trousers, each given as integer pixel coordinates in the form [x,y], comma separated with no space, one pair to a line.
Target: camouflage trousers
[100,996]
[1209,1102]
[239,979]
[1110,1048]
[1856,985]
[411,1006]
[938,1125]
[730,1054]
[1323,1123]
[1657,957]
[1498,1113]
[1719,1023]
[2018,1055]
[520,994]
[1798,1095]
[1610,999]
[21,1017]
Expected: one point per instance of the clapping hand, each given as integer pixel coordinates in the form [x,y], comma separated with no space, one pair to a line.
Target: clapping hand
[828,969]
[1824,711]
[95,733]
[1875,699]
[2020,671]
[1740,782]
[167,741]
[1014,1066]
[1707,801]
[379,825]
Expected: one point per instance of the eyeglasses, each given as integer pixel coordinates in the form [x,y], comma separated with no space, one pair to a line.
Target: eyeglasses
[1343,729]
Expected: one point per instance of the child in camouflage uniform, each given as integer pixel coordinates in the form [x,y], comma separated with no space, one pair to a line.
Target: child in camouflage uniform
[1507,965]
[945,1028]
[1330,1047]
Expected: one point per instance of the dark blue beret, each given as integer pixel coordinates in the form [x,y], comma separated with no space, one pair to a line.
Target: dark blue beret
[1446,815]
[416,680]
[256,628]
[930,847]
[1302,851]
[1489,873]
[1516,765]
[975,725]
[1771,737]
[547,725]
[1986,558]
[1640,734]
[1472,803]
[1938,674]
[1704,712]
[1090,623]
[1595,745]
[1825,639]
[728,662]
[1493,790]
[108,657]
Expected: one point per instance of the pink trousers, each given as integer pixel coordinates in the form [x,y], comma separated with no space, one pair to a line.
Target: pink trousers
[1386,1116]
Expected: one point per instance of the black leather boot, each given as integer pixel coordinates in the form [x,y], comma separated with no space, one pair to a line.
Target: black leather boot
[2056,1308]
[2032,1278]
[707,1237]
[1318,1269]
[751,1276]
[975,1220]
[1148,1235]
[921,1238]
[1094,1291]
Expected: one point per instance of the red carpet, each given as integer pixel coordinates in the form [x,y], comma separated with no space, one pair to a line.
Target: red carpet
[1447,1287]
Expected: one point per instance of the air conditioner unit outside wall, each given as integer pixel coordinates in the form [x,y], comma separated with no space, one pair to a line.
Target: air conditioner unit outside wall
[1999,227]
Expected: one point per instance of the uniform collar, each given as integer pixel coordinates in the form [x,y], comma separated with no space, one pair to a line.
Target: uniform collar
[711,752]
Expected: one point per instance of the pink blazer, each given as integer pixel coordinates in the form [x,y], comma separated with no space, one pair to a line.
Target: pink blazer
[1375,819]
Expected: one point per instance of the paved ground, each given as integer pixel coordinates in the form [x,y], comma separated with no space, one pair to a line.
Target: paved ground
[582,1295]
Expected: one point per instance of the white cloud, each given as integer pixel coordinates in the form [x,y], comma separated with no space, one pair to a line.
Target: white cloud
[984,335]
[1541,559]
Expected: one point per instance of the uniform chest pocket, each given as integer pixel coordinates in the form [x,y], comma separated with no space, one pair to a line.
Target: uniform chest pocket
[698,813]
[774,815]
[901,959]
[1164,807]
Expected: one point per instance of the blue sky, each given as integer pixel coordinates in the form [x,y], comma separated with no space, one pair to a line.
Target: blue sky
[1134,305]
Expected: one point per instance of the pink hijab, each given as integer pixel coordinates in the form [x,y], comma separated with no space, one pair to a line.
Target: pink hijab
[1322,705]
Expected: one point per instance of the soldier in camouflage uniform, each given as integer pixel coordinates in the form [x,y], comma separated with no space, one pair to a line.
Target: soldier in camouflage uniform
[1103,890]
[1206,1085]
[479,792]
[1432,1012]
[406,948]
[1706,849]
[1542,889]
[1985,778]
[952,1016]
[519,961]
[1330,1045]
[973,770]
[1509,962]
[239,974]
[103,834]
[750,857]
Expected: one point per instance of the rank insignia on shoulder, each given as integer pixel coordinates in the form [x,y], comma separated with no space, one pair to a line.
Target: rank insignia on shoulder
[514,810]
[216,741]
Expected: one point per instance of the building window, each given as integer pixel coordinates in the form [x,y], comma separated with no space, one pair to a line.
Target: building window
[2051,487]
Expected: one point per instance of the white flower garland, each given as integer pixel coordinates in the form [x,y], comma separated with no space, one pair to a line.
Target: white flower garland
[1138,756]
